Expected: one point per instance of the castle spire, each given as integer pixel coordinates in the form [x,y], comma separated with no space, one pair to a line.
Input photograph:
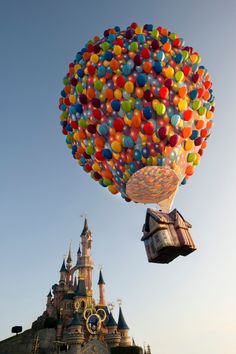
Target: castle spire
[121,321]
[101,284]
[85,262]
[63,272]
[69,259]
[124,330]
[85,229]
[63,267]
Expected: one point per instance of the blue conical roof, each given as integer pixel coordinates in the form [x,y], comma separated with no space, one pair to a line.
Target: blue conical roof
[63,267]
[81,289]
[121,321]
[76,320]
[85,229]
[101,280]
[111,321]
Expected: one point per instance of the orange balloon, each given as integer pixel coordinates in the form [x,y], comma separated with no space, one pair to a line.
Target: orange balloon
[189,170]
[67,88]
[114,64]
[139,92]
[109,94]
[99,142]
[200,124]
[86,56]
[167,47]
[136,119]
[183,91]
[204,144]
[186,132]
[107,174]
[90,93]
[147,67]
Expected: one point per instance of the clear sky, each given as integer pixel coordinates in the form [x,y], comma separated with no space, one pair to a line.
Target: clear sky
[186,307]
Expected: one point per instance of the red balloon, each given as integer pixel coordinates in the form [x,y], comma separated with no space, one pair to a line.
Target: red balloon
[148,128]
[118,124]
[173,140]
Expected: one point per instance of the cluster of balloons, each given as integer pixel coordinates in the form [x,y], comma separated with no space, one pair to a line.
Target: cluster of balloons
[135,98]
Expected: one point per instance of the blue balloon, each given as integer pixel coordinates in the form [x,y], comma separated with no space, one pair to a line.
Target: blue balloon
[108,56]
[137,155]
[157,67]
[194,135]
[103,129]
[128,142]
[175,119]
[115,104]
[107,154]
[101,71]
[147,112]
[126,70]
[141,80]
[133,167]
[145,152]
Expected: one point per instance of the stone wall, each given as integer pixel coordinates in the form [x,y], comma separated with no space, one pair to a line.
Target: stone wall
[22,343]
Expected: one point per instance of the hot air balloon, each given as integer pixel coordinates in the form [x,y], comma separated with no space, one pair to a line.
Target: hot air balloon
[137,108]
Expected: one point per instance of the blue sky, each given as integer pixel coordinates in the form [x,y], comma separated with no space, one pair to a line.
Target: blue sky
[186,307]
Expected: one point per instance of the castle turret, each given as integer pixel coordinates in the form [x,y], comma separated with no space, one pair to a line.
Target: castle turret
[49,306]
[85,264]
[69,260]
[63,273]
[101,284]
[124,330]
[75,335]
[113,336]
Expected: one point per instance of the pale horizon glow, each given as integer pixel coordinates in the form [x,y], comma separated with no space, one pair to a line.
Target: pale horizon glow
[186,307]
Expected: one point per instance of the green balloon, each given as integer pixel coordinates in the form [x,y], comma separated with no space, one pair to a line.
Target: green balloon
[191,157]
[126,106]
[196,105]
[105,46]
[133,47]
[98,85]
[202,111]
[79,88]
[160,109]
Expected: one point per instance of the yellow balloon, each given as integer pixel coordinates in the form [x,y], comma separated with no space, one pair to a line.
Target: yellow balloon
[169,72]
[96,167]
[189,145]
[182,105]
[116,146]
[117,49]
[118,94]
[72,99]
[94,58]
[129,87]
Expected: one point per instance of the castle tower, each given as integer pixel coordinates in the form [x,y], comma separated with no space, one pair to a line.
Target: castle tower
[124,330]
[63,273]
[112,338]
[75,335]
[49,306]
[69,260]
[101,284]
[85,262]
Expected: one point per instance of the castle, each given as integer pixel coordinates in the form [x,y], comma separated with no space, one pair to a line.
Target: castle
[73,322]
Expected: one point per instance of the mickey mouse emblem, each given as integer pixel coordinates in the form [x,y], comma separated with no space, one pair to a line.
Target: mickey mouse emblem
[94,318]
